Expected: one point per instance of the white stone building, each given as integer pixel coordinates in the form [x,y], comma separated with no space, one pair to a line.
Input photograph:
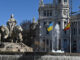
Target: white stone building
[57,12]
[75,32]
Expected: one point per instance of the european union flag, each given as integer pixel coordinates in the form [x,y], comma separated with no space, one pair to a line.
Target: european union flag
[50,27]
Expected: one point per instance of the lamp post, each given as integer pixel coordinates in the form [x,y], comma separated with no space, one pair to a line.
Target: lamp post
[70,28]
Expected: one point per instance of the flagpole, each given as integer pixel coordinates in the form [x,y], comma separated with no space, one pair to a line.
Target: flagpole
[70,28]
[52,38]
[70,40]
[50,29]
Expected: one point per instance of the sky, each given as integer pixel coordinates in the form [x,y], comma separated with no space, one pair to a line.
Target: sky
[24,9]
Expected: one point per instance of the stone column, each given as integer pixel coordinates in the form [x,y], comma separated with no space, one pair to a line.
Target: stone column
[61,30]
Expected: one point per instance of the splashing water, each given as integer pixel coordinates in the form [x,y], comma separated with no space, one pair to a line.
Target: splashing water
[56,38]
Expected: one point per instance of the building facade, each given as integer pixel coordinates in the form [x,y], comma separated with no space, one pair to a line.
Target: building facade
[57,12]
[75,32]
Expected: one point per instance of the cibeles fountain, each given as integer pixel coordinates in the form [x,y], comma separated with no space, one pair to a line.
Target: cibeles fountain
[11,37]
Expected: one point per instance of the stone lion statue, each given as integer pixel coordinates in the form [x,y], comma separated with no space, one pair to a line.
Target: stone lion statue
[4,32]
[15,36]
[17,33]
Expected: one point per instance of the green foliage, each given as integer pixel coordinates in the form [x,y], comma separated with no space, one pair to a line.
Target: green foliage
[28,32]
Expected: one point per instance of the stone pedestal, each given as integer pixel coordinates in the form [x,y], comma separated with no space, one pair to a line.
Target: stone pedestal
[15,47]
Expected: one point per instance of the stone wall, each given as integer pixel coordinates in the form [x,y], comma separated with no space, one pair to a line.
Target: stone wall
[39,56]
[48,57]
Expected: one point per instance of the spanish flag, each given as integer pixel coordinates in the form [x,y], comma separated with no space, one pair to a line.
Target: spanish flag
[67,27]
[50,27]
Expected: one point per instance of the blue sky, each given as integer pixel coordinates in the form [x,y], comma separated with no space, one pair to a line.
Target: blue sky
[24,9]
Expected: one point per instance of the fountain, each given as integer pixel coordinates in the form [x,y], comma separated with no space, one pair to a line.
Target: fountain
[55,39]
[11,38]
[12,48]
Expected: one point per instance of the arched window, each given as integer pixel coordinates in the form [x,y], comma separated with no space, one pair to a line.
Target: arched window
[65,45]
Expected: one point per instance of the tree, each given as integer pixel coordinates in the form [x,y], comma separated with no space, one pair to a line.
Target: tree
[29,32]
[26,31]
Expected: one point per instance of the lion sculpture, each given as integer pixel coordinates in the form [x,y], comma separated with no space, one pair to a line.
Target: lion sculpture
[17,33]
[4,32]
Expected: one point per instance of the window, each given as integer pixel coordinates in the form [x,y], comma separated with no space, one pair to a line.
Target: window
[65,45]
[79,30]
[65,22]
[59,23]
[72,23]
[47,32]
[65,32]
[44,41]
[50,22]
[59,1]
[74,46]
[50,12]
[44,23]
[74,31]
[47,13]
[65,0]
[47,42]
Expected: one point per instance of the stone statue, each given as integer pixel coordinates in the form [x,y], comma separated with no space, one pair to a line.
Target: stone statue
[4,32]
[11,31]
[34,23]
[11,38]
[11,24]
[17,33]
